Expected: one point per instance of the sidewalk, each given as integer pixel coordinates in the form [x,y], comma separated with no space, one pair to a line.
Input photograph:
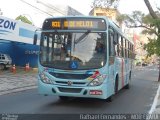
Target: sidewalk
[155,109]
[19,81]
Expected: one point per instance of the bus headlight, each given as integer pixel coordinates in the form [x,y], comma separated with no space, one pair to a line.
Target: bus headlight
[44,78]
[97,81]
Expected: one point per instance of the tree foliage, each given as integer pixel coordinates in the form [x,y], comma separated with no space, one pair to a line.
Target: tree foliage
[153,47]
[105,4]
[150,23]
[24,19]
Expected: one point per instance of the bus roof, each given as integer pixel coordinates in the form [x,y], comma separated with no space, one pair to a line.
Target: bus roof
[114,25]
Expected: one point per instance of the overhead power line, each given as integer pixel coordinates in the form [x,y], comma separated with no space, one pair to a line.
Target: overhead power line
[36,7]
[51,7]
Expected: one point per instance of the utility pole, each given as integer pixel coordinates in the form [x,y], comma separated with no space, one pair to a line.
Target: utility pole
[159,69]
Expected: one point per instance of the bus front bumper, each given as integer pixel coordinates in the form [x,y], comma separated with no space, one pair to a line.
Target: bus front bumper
[72,91]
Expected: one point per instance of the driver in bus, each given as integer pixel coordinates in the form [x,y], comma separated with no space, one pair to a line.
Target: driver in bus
[99,47]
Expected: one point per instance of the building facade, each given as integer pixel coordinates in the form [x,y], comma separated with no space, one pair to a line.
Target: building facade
[16,40]
[108,12]
[16,37]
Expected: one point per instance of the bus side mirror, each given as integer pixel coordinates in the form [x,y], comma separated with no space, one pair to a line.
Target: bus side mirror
[35,39]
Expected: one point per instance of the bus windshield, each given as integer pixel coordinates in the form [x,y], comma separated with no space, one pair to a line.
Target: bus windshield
[73,50]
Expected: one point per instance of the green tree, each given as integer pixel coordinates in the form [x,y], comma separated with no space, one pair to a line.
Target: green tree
[153,46]
[105,4]
[151,23]
[24,19]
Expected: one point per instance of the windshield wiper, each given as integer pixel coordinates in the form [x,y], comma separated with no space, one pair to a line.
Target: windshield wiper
[82,36]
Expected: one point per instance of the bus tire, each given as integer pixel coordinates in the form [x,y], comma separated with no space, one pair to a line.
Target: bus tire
[6,68]
[2,66]
[116,85]
[128,85]
[63,98]
[109,99]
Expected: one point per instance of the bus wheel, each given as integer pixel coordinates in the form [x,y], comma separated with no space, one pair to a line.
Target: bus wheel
[128,85]
[2,67]
[116,86]
[110,99]
[63,98]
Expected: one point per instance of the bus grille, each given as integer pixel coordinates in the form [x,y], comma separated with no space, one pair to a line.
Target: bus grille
[70,90]
[70,76]
[66,83]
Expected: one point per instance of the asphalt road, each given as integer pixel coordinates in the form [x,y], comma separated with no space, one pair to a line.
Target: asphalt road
[138,99]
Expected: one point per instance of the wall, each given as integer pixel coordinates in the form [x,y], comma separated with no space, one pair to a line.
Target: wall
[20,53]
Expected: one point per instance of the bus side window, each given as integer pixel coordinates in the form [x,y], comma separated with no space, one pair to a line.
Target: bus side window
[122,46]
[128,50]
[126,47]
[116,44]
[111,42]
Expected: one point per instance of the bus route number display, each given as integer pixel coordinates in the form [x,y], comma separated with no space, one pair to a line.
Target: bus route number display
[73,24]
[93,24]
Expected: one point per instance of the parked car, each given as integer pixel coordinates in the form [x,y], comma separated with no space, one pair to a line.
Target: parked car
[144,64]
[5,61]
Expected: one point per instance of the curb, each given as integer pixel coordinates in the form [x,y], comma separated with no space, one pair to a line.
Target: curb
[155,102]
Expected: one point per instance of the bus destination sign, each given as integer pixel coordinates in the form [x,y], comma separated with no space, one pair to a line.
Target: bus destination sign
[75,24]
[72,24]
